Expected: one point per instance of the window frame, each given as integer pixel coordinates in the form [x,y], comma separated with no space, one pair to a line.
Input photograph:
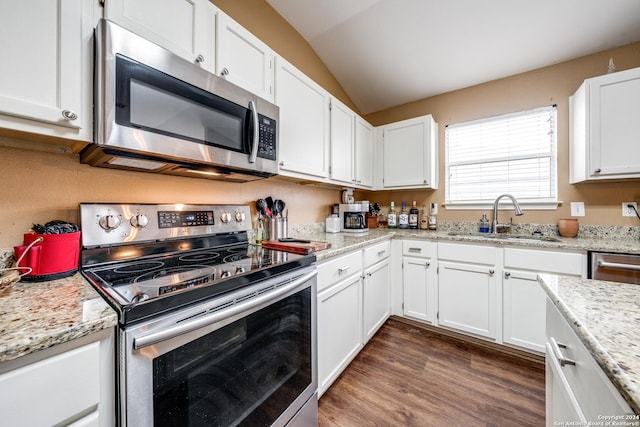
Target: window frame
[530,204]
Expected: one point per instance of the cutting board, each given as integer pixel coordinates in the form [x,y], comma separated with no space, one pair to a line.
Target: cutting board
[299,248]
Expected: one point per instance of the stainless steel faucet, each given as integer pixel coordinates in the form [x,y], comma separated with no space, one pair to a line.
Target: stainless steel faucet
[497,227]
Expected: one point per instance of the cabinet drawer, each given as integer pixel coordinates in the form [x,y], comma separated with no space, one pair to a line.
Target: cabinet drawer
[339,268]
[417,248]
[477,254]
[595,393]
[52,390]
[376,253]
[543,260]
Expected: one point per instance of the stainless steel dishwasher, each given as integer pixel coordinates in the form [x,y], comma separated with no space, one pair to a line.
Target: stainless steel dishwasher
[624,268]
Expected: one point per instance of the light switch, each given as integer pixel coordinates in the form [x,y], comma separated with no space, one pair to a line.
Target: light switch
[577,208]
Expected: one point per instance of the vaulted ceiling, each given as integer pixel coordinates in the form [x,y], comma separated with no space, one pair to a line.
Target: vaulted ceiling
[389,52]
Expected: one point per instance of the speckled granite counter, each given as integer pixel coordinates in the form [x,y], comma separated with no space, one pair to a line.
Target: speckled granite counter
[36,316]
[606,317]
[344,242]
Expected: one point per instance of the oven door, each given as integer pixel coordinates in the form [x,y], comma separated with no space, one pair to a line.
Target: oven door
[248,358]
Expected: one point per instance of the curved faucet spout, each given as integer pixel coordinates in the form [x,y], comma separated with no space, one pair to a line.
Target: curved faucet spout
[516,208]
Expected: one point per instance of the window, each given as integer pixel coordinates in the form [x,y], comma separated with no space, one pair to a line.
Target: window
[513,153]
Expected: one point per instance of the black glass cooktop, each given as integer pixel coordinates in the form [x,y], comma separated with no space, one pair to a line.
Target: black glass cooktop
[142,286]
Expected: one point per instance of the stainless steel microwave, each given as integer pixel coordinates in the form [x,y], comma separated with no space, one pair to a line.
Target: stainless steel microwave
[157,112]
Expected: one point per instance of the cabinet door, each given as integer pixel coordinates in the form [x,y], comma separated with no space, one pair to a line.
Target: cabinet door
[376,291]
[42,65]
[419,288]
[342,143]
[243,59]
[409,154]
[467,298]
[363,153]
[524,310]
[304,123]
[561,404]
[614,125]
[185,27]
[339,329]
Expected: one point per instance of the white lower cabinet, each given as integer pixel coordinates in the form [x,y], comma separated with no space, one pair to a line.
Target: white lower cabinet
[577,390]
[467,289]
[523,300]
[339,316]
[376,289]
[72,386]
[419,280]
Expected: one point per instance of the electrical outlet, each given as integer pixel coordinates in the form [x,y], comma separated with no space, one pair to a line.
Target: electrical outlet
[627,211]
[577,208]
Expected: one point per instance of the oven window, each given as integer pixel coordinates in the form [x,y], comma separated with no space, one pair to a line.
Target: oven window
[245,373]
[151,100]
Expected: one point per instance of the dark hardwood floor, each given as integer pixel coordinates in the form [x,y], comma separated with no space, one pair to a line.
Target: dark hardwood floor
[408,376]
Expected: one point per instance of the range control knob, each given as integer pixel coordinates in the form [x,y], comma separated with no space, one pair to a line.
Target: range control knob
[109,222]
[240,216]
[139,221]
[225,217]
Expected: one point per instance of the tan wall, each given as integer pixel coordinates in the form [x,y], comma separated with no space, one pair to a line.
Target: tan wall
[550,85]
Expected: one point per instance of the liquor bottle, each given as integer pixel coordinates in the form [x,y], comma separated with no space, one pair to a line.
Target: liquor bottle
[433,213]
[392,218]
[424,218]
[403,218]
[413,216]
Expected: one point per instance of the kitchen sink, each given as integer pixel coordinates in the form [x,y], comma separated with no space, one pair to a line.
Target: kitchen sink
[507,237]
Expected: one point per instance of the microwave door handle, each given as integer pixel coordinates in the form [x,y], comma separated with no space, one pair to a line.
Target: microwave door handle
[256,133]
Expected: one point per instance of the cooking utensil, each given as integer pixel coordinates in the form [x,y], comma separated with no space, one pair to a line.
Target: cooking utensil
[278,206]
[263,207]
[292,239]
[269,202]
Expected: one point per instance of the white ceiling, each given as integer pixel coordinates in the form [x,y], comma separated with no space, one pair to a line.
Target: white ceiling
[389,52]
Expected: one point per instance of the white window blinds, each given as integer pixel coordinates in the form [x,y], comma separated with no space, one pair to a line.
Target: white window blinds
[513,153]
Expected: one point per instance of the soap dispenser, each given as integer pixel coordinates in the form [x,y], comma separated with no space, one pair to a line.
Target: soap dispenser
[484,224]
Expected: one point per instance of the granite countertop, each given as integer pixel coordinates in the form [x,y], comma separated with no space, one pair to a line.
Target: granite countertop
[606,318]
[345,242]
[36,316]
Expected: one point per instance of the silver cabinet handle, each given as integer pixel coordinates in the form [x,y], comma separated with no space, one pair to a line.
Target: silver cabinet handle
[281,163]
[199,59]
[617,265]
[507,274]
[224,72]
[427,264]
[343,269]
[492,272]
[382,252]
[415,249]
[555,348]
[597,170]
[201,322]
[69,115]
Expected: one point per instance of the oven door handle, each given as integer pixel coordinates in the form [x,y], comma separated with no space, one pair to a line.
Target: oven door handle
[186,327]
[619,266]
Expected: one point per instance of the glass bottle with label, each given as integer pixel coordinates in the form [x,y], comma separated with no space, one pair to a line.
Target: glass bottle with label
[403,218]
[392,218]
[424,218]
[413,216]
[433,213]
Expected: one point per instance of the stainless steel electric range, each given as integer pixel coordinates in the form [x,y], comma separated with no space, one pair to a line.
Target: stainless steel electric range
[212,330]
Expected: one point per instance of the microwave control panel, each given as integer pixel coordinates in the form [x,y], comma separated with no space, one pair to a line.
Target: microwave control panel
[266,138]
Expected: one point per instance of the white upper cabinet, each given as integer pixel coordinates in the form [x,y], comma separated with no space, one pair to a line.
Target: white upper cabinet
[351,147]
[363,153]
[343,122]
[409,154]
[243,59]
[185,27]
[605,130]
[46,67]
[304,123]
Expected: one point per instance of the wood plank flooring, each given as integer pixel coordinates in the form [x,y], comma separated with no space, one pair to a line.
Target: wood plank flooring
[408,376]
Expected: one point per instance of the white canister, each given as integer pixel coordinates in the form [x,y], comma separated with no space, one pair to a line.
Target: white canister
[332,224]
